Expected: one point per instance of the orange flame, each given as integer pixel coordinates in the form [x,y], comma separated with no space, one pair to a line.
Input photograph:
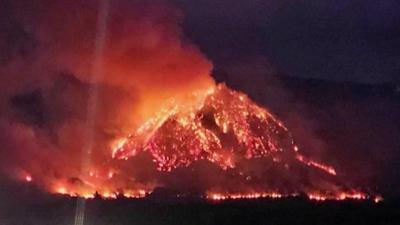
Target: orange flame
[192,129]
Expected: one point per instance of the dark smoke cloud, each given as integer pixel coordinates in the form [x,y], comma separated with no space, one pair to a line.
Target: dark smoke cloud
[46,77]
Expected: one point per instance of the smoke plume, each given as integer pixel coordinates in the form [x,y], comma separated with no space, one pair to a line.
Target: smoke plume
[47,65]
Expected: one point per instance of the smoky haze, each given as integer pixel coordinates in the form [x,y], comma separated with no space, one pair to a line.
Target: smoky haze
[46,76]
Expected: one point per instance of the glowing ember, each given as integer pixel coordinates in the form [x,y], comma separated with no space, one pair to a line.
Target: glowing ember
[310,162]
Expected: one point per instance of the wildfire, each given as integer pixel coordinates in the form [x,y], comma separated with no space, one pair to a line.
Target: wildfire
[180,135]
[311,196]
[216,196]
[103,193]
[321,166]
[338,196]
[251,195]
[218,125]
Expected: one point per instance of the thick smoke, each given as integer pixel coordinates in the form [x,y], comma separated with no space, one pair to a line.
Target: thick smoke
[143,48]
[48,52]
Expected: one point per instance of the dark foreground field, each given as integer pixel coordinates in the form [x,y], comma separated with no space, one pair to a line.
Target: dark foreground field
[25,208]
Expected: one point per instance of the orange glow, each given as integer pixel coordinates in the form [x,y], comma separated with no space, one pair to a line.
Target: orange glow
[237,196]
[338,196]
[378,199]
[311,196]
[321,166]
[62,190]
[108,195]
[219,196]
[135,193]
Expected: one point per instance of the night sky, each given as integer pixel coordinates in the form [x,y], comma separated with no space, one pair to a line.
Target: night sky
[341,40]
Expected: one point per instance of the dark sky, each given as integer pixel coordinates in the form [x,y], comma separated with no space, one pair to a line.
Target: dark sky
[356,40]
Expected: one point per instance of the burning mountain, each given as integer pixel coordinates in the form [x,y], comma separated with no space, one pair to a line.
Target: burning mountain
[224,127]
[235,148]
